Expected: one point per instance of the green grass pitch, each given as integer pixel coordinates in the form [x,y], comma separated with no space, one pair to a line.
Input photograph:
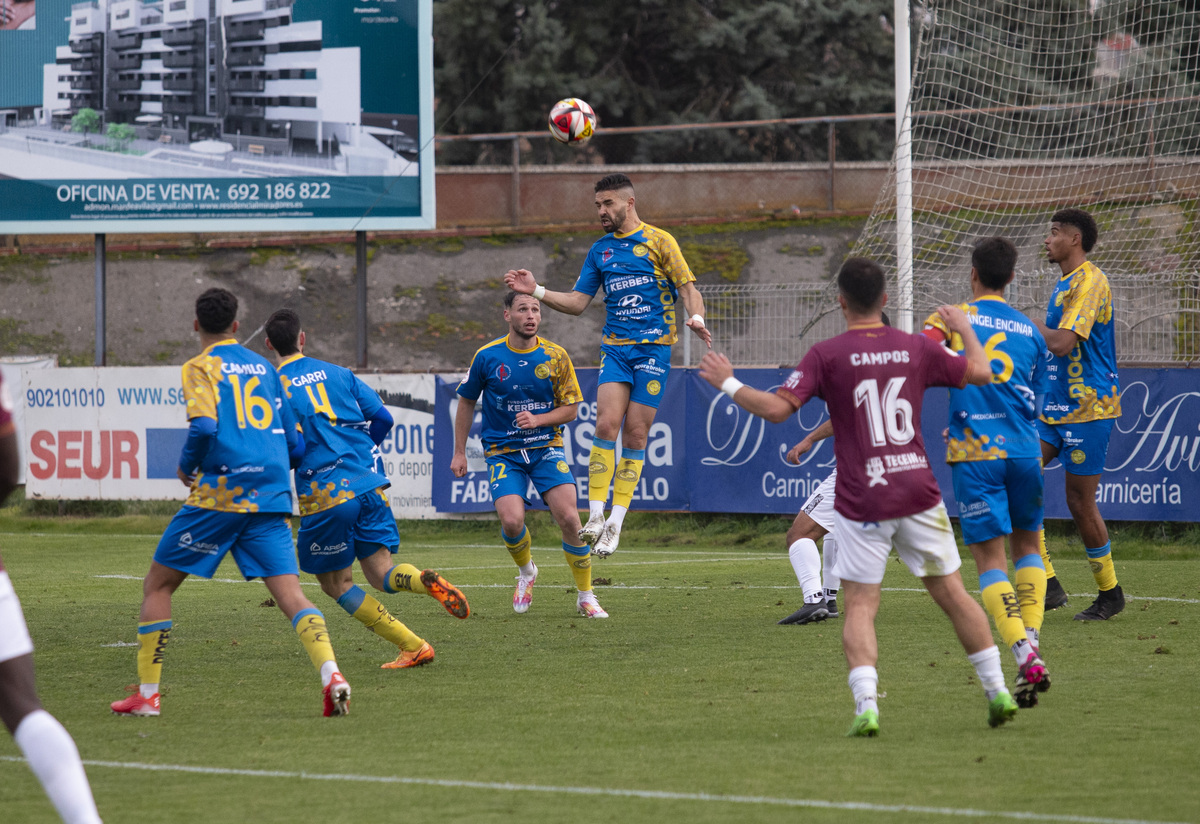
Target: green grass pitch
[688,704]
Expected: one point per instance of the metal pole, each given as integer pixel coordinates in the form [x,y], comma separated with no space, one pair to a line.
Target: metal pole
[904,184]
[101,346]
[360,267]
[832,161]
[516,183]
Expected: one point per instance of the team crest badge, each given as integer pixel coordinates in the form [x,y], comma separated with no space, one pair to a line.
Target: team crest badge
[875,472]
[502,372]
[654,387]
[641,250]
[1078,456]
[607,256]
[542,370]
[562,466]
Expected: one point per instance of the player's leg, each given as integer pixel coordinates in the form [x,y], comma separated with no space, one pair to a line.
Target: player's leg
[802,540]
[862,560]
[377,541]
[1056,596]
[1025,485]
[830,581]
[1081,501]
[47,746]
[612,399]
[564,507]
[263,548]
[360,605]
[517,540]
[154,629]
[925,543]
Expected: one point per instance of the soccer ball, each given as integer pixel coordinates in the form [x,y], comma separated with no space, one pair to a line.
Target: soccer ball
[572,121]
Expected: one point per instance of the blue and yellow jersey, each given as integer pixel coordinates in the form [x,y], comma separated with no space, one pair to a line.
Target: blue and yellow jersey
[511,381]
[333,407]
[1083,385]
[641,273]
[996,421]
[246,466]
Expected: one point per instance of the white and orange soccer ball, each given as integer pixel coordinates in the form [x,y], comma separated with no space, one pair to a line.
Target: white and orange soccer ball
[572,121]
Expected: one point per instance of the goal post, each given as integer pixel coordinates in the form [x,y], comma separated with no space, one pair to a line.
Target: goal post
[1019,108]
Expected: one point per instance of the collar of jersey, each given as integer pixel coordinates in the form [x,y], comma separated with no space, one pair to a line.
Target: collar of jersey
[213,346]
[639,228]
[522,351]
[290,359]
[1074,271]
[989,297]
[876,325]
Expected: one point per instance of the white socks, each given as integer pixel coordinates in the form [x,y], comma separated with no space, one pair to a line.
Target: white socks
[327,670]
[864,683]
[987,667]
[828,556]
[806,562]
[529,571]
[596,509]
[54,759]
[147,690]
[616,517]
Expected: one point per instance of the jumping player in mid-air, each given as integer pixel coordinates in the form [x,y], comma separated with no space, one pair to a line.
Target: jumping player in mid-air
[642,273]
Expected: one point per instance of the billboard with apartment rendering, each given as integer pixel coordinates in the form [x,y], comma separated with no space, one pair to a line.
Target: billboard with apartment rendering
[216,115]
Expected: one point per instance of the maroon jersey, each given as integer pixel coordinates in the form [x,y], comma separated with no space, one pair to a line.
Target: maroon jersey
[6,409]
[873,379]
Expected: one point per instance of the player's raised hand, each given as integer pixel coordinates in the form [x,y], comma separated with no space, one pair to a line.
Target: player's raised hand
[955,319]
[520,280]
[696,324]
[458,464]
[715,368]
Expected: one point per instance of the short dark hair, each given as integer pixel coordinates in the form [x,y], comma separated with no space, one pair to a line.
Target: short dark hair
[283,331]
[1081,220]
[994,259]
[216,309]
[610,183]
[861,281]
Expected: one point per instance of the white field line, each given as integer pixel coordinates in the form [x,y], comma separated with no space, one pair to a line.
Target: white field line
[654,795]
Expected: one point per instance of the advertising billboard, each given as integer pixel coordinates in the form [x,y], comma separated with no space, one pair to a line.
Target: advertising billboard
[217,115]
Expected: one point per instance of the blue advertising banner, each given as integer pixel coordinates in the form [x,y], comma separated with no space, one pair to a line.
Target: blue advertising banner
[705,454]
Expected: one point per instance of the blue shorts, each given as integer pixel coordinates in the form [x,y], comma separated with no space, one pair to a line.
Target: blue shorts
[197,539]
[644,366]
[511,473]
[331,539]
[1082,447]
[996,497]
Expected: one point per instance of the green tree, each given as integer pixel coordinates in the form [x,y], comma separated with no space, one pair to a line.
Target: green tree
[661,62]
[119,135]
[86,120]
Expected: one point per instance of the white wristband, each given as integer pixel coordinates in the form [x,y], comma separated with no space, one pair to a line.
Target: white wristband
[731,385]
[539,291]
[699,319]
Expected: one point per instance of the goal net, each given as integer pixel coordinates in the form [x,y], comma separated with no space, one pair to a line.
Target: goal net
[1021,108]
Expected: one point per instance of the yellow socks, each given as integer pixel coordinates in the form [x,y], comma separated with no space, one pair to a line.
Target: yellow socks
[1000,601]
[519,547]
[403,578]
[628,472]
[152,640]
[601,465]
[310,626]
[1031,590]
[375,617]
[1103,570]
[1045,555]
[580,560]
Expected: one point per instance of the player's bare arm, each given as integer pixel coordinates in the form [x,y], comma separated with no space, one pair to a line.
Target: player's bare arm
[716,369]
[693,302]
[523,281]
[555,417]
[1058,341]
[825,430]
[979,368]
[462,427]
